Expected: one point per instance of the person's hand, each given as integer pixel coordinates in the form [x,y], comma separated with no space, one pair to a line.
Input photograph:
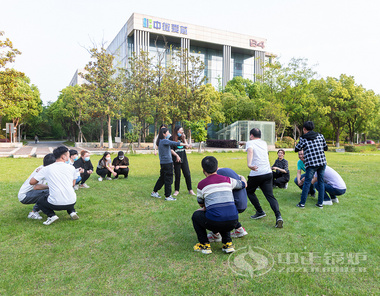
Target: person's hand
[253,167]
[89,172]
[81,170]
[114,174]
[243,179]
[117,167]
[178,159]
[275,168]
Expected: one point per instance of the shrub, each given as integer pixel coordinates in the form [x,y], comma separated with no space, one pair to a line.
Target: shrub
[221,143]
[349,148]
[149,138]
[289,141]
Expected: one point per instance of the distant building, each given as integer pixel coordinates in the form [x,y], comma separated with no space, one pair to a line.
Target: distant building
[225,54]
[77,79]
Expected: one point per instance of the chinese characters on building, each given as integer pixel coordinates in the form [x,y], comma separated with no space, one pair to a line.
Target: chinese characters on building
[174,28]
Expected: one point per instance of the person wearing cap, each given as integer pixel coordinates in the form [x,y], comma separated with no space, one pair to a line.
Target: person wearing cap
[121,164]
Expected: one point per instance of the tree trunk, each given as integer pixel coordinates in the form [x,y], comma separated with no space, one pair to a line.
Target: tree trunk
[109,132]
[337,137]
[101,133]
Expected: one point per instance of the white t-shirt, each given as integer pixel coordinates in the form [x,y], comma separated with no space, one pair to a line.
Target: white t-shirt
[332,178]
[260,157]
[26,187]
[77,174]
[59,177]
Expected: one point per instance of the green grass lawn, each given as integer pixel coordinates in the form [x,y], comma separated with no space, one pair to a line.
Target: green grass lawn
[128,243]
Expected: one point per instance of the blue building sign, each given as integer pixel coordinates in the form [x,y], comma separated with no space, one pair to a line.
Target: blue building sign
[174,28]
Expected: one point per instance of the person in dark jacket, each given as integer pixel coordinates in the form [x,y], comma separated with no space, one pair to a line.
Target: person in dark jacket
[121,163]
[314,147]
[280,170]
[84,162]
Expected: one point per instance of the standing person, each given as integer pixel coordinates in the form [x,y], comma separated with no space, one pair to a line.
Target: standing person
[281,170]
[300,179]
[105,168]
[84,162]
[121,164]
[218,212]
[260,176]
[180,161]
[29,194]
[334,185]
[166,163]
[35,139]
[314,147]
[240,199]
[60,178]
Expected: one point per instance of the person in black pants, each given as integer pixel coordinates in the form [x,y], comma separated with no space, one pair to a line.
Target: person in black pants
[180,161]
[121,164]
[84,162]
[281,170]
[260,176]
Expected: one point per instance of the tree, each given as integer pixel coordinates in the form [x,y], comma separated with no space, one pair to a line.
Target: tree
[104,89]
[7,52]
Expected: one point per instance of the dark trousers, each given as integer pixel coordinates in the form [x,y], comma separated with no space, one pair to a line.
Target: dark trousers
[49,208]
[201,224]
[84,177]
[184,166]
[280,179]
[266,185]
[123,171]
[166,178]
[103,172]
[33,196]
[238,224]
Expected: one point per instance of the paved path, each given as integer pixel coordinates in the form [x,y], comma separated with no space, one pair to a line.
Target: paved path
[31,149]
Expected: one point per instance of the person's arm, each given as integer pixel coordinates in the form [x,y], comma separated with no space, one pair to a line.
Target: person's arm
[249,159]
[178,159]
[33,181]
[298,147]
[40,187]
[299,180]
[314,180]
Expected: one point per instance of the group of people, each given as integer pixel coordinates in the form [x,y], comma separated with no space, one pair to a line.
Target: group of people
[222,195]
[52,186]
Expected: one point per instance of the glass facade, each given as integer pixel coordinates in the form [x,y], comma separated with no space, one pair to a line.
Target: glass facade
[242,65]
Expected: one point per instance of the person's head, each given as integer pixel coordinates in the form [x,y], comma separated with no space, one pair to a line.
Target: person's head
[209,165]
[49,159]
[73,154]
[163,134]
[178,133]
[85,155]
[120,155]
[300,155]
[163,125]
[255,133]
[308,126]
[281,153]
[61,153]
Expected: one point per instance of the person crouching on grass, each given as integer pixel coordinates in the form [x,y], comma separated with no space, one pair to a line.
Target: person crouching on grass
[166,163]
[218,212]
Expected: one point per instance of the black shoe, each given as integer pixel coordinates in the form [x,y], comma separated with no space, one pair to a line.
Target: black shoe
[300,205]
[319,206]
[279,222]
[258,215]
[312,194]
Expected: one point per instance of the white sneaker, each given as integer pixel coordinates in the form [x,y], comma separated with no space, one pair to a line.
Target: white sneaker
[336,200]
[34,215]
[240,232]
[51,220]
[155,194]
[84,186]
[212,237]
[108,178]
[100,179]
[170,198]
[286,186]
[327,203]
[76,187]
[74,216]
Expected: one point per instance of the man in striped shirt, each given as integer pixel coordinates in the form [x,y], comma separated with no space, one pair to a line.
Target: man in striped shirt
[218,212]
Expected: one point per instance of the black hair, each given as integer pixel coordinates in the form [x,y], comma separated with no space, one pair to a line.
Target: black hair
[283,151]
[59,151]
[210,164]
[120,153]
[163,125]
[103,160]
[308,125]
[175,135]
[161,135]
[49,159]
[255,132]
[73,152]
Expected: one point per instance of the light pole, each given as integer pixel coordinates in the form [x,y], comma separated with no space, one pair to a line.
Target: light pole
[19,136]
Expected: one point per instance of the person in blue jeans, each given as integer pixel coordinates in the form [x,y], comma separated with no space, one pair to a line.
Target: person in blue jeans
[334,185]
[314,146]
[300,179]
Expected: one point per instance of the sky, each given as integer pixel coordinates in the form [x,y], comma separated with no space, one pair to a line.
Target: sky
[336,36]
